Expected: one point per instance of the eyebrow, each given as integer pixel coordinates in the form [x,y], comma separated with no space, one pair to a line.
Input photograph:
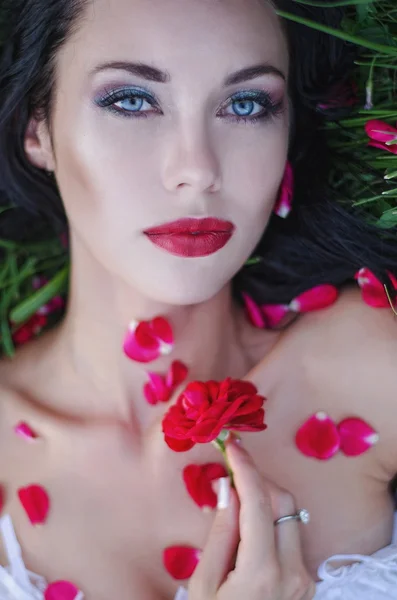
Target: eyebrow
[153,74]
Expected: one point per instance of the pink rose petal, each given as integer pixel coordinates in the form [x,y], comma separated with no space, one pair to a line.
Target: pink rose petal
[61,590]
[150,394]
[181,561]
[284,203]
[380,131]
[373,291]
[198,480]
[274,313]
[32,327]
[316,298]
[36,503]
[24,431]
[265,316]
[176,375]
[163,331]
[54,305]
[146,341]
[159,388]
[392,148]
[356,436]
[318,437]
[1,500]
[253,312]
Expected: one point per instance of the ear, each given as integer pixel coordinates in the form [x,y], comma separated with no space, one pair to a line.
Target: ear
[37,145]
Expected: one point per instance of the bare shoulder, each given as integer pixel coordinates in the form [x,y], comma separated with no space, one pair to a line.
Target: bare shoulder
[351,315]
[348,351]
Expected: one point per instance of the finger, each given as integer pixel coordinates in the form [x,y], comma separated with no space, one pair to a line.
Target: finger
[217,558]
[288,534]
[257,547]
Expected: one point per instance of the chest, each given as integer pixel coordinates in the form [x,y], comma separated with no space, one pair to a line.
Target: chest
[113,511]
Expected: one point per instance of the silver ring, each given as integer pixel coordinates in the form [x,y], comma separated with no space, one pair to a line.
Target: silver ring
[302,515]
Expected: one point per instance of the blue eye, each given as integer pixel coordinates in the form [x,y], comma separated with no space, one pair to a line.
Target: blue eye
[251,106]
[136,102]
[245,108]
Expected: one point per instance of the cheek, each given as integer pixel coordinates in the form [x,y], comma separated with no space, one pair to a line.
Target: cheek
[255,169]
[103,178]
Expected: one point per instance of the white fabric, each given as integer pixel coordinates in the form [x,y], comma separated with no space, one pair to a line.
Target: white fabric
[369,578]
[16,582]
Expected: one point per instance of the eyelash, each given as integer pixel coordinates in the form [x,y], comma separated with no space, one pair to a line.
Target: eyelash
[271,109]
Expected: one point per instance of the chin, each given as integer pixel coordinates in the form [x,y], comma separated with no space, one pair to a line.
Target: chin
[183,284]
[184,297]
[182,293]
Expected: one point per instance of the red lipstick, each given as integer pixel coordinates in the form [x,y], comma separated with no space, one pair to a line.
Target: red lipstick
[192,237]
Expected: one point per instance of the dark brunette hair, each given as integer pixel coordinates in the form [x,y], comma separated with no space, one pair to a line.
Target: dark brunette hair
[324,240]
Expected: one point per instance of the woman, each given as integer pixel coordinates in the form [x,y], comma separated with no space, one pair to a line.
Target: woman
[166,127]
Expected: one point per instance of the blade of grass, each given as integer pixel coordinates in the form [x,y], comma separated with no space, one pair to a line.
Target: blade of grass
[31,305]
[347,37]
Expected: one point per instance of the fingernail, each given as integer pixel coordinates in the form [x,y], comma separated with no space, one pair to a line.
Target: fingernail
[223,493]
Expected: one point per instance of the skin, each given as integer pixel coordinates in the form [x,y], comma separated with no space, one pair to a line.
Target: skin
[101,453]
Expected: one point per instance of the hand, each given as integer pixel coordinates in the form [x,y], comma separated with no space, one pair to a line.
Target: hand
[246,556]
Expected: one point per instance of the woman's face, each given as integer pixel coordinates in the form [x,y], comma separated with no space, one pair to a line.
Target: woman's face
[171,131]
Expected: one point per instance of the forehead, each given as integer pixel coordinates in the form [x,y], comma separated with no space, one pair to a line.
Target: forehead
[224,33]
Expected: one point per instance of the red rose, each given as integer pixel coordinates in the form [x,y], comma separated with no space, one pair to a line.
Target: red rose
[203,410]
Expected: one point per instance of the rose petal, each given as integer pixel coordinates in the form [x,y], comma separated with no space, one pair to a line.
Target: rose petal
[284,203]
[318,437]
[181,561]
[198,480]
[146,341]
[159,387]
[177,374]
[195,396]
[392,148]
[57,303]
[178,445]
[139,345]
[36,503]
[1,500]
[356,436]
[253,312]
[145,337]
[380,131]
[163,330]
[28,330]
[61,590]
[37,323]
[150,394]
[24,431]
[274,313]
[316,298]
[373,291]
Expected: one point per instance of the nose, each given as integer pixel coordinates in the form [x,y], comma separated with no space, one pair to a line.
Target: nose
[190,163]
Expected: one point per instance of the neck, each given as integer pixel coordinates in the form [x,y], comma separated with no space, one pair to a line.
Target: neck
[90,340]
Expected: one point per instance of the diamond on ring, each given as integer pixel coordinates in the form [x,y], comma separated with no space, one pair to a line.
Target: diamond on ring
[301,515]
[304,516]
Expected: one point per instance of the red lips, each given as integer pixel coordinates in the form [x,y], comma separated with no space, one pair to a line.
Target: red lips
[192,237]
